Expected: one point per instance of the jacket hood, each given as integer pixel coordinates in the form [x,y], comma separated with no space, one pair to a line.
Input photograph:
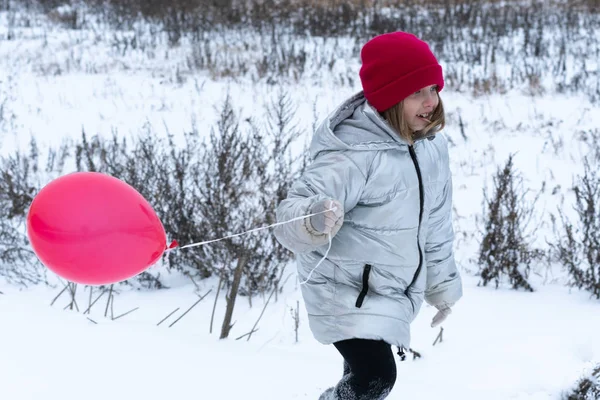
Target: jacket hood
[354,125]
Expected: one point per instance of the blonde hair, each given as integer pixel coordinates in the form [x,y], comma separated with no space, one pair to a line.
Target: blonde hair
[395,117]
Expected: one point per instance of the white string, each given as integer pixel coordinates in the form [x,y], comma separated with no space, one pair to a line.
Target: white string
[251,230]
[263,228]
[319,263]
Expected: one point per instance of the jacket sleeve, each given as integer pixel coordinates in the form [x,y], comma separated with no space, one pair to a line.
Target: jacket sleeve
[334,175]
[444,284]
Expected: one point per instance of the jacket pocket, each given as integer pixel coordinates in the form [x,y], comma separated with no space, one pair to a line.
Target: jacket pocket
[365,286]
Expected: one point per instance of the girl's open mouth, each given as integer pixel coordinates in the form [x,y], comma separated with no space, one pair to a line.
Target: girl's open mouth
[425,117]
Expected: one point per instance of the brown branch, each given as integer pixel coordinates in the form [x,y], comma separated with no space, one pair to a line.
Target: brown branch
[246,334]
[231,298]
[90,299]
[415,354]
[73,289]
[124,314]
[439,336]
[167,317]
[112,304]
[110,294]
[94,302]
[284,282]
[193,281]
[189,309]
[296,316]
[261,314]
[212,315]
[56,298]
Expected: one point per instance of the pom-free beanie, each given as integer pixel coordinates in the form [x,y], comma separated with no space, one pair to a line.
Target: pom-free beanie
[395,65]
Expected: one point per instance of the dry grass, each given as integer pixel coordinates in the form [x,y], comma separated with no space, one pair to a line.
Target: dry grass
[575,4]
[537,39]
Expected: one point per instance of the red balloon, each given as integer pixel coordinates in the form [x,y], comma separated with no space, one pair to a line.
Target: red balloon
[94,229]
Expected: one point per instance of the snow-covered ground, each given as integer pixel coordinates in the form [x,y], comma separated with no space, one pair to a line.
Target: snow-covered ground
[498,344]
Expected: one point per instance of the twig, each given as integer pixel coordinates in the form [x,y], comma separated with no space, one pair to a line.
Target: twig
[92,320]
[124,314]
[56,298]
[212,315]
[439,336]
[189,309]
[462,128]
[261,313]
[72,289]
[112,311]
[90,300]
[296,316]
[94,302]
[167,317]
[193,281]
[109,300]
[73,295]
[415,354]
[284,282]
[246,334]
[278,282]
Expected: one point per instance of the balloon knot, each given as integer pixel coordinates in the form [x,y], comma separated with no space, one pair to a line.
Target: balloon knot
[173,245]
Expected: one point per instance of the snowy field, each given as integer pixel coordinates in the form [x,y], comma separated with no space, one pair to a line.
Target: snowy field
[498,344]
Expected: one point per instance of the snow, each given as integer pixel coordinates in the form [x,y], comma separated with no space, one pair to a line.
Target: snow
[497,344]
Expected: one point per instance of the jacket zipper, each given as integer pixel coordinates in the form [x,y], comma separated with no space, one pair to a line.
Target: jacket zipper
[413,156]
[365,286]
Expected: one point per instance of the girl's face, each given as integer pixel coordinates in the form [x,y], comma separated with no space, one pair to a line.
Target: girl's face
[419,106]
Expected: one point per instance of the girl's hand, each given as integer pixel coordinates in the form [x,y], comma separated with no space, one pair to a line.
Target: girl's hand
[329,219]
[443,311]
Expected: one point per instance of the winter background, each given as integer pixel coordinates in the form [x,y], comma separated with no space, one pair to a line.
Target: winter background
[77,77]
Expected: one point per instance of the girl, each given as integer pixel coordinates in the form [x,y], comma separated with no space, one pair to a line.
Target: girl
[380,185]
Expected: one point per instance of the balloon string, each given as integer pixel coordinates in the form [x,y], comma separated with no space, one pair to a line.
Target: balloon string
[250,231]
[319,263]
[174,246]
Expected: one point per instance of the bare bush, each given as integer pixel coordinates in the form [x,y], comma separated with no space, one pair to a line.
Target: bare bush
[246,171]
[505,251]
[277,169]
[577,247]
[18,186]
[591,137]
[200,190]
[487,46]
[587,388]
[165,175]
[69,17]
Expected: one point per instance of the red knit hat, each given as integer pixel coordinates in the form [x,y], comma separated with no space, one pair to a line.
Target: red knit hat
[395,65]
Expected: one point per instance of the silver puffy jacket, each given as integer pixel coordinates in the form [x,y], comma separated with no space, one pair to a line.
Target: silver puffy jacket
[394,248]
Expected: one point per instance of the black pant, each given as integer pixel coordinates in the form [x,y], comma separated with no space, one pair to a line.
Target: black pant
[369,370]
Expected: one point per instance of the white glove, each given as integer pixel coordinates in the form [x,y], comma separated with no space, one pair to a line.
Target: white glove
[326,222]
[443,311]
